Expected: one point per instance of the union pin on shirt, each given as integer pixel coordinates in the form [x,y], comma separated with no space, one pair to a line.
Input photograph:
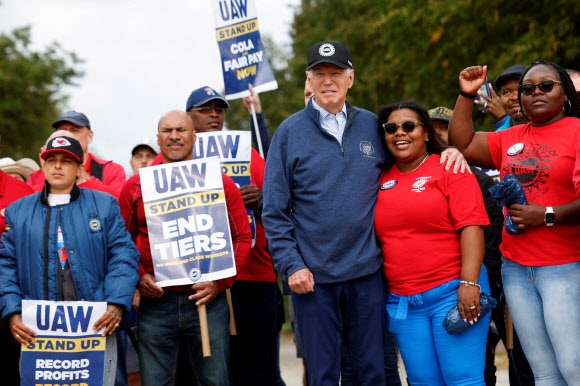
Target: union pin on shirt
[515,149]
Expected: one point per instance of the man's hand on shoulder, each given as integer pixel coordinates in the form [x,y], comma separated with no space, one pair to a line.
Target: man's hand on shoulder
[301,281]
[456,159]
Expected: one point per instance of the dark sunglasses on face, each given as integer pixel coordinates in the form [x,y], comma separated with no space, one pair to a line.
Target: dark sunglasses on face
[545,86]
[207,109]
[408,126]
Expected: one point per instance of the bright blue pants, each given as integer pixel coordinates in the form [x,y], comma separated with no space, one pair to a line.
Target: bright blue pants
[432,356]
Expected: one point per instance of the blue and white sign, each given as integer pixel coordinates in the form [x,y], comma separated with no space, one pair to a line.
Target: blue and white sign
[234,149]
[66,351]
[244,60]
[187,221]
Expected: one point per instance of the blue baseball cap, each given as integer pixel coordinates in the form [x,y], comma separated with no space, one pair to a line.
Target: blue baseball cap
[203,95]
[75,117]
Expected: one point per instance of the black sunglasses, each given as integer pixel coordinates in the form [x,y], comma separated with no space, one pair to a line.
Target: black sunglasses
[208,109]
[545,86]
[408,126]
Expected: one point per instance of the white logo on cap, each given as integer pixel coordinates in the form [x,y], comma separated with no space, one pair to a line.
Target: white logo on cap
[326,49]
[60,142]
[209,91]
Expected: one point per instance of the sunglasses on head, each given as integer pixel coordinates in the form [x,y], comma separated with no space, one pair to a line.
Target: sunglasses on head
[545,86]
[408,126]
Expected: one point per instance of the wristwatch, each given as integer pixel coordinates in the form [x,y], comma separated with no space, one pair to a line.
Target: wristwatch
[549,217]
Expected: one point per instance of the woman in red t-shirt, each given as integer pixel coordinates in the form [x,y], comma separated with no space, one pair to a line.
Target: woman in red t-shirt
[430,225]
[541,263]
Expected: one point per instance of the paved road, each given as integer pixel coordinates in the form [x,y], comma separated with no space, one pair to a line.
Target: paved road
[291,367]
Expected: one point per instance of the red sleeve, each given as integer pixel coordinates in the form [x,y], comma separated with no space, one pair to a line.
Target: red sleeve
[576,173]
[96,184]
[257,168]
[114,176]
[239,228]
[128,207]
[36,177]
[128,200]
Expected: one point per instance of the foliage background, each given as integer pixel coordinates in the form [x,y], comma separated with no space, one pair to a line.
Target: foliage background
[400,48]
[30,85]
[416,49]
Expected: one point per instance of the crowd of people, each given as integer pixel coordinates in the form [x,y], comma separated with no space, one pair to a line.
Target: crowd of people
[381,233]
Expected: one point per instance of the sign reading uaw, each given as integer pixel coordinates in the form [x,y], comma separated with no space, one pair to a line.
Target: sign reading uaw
[243,56]
[187,221]
[67,351]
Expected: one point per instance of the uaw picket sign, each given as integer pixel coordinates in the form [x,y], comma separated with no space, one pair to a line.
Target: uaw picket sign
[244,60]
[234,149]
[67,351]
[187,222]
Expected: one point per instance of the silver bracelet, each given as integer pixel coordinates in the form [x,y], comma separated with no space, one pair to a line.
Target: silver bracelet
[470,283]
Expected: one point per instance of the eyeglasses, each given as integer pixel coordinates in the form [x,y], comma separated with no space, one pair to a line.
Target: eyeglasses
[408,126]
[208,109]
[545,86]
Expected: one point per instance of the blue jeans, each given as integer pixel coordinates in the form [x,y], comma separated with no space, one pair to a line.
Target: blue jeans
[432,356]
[165,321]
[544,303]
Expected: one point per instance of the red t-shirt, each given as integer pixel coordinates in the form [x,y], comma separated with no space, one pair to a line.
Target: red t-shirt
[542,158]
[417,220]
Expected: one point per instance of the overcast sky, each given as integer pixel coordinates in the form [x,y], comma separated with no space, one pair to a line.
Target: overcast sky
[142,58]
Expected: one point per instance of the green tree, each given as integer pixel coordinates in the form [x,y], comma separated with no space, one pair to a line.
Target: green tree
[417,48]
[30,91]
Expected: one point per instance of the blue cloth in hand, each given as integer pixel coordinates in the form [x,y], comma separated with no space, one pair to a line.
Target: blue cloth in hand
[453,322]
[507,192]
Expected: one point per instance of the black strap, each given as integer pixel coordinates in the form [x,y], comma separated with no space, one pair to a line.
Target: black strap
[133,338]
[467,95]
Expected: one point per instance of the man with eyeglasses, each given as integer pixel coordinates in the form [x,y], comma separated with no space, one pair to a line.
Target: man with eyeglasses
[254,349]
[507,85]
